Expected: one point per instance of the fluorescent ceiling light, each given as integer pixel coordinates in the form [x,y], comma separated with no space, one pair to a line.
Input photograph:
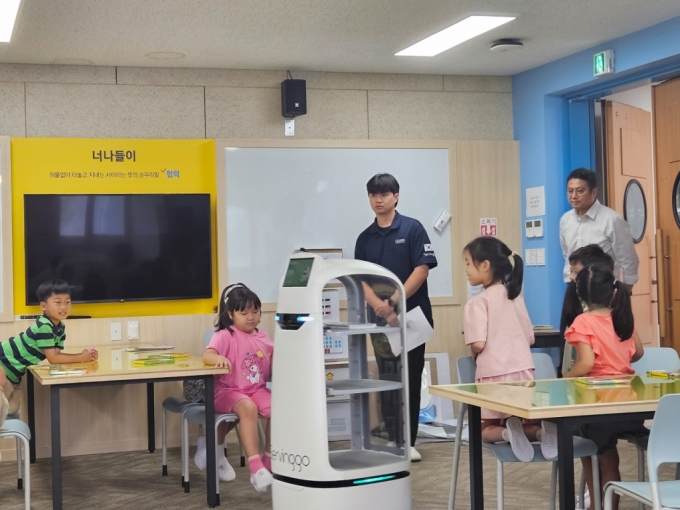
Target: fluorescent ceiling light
[8,15]
[454,35]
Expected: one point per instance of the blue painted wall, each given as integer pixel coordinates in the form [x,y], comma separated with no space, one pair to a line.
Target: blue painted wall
[551,123]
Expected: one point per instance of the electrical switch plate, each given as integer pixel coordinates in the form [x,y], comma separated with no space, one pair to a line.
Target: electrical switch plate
[533,257]
[540,256]
[538,228]
[527,257]
[529,226]
[115,331]
[133,330]
[442,220]
[289,127]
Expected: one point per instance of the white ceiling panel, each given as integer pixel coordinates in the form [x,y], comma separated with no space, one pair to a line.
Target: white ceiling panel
[319,35]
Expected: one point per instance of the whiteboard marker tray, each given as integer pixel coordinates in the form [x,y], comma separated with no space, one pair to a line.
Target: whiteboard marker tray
[361,459]
[349,386]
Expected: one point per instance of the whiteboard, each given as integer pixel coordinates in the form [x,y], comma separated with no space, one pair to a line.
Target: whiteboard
[281,199]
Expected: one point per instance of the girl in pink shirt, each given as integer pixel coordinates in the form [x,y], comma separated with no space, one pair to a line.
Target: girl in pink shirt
[247,352]
[606,345]
[500,333]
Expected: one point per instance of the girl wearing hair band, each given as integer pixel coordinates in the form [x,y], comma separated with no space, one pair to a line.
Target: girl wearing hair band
[247,352]
[606,345]
[500,333]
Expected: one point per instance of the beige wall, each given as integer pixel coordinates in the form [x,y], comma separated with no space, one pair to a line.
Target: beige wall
[83,101]
[131,102]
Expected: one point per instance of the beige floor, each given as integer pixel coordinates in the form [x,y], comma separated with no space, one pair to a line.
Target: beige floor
[134,481]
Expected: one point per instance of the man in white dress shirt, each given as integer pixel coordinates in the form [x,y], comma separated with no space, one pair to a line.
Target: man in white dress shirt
[590,222]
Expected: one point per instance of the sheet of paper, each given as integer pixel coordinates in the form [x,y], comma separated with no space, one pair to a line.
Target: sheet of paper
[535,200]
[418,330]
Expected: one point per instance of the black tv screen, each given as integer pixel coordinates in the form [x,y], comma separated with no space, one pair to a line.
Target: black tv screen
[119,247]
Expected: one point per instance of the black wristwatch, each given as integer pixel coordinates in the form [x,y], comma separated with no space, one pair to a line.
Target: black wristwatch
[393,304]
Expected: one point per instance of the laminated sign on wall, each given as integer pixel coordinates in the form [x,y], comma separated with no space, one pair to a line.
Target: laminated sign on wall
[488,226]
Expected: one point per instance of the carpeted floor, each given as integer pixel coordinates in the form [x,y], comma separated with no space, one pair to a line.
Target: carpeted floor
[133,481]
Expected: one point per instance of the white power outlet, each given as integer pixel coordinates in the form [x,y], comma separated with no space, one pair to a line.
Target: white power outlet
[115,331]
[133,330]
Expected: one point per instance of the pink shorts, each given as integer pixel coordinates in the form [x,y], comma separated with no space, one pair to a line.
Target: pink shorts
[225,400]
[522,375]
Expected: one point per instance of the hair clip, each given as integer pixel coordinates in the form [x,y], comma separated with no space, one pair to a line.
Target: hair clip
[615,281]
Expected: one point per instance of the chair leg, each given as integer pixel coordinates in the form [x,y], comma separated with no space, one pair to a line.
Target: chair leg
[597,497]
[243,456]
[263,436]
[27,474]
[553,485]
[641,471]
[582,490]
[164,441]
[185,454]
[609,497]
[456,456]
[499,483]
[20,482]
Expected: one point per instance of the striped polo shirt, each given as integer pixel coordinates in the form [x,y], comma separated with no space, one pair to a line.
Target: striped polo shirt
[26,349]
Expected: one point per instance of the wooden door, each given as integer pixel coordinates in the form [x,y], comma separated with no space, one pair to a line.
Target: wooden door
[630,177]
[666,98]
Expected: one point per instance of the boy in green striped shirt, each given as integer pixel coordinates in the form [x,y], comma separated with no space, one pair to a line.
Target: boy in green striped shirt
[43,340]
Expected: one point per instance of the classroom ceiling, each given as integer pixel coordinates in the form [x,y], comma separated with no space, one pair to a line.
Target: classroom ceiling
[315,35]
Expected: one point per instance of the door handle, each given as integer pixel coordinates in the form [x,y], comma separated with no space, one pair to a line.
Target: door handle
[654,281]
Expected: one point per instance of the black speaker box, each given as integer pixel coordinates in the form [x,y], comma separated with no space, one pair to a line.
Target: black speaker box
[293,98]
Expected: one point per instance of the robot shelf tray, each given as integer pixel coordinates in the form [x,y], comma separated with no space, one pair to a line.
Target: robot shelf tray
[361,331]
[349,386]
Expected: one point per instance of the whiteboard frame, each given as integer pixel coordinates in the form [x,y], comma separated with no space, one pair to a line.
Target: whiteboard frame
[7,312]
[222,143]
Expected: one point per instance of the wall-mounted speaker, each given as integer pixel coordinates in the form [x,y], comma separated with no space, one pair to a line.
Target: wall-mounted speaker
[293,98]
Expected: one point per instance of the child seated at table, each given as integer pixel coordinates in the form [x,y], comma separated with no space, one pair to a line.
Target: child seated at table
[500,333]
[571,306]
[43,340]
[605,345]
[247,352]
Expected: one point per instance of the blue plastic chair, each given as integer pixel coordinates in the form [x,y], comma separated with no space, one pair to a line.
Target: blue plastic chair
[20,432]
[179,406]
[544,369]
[663,447]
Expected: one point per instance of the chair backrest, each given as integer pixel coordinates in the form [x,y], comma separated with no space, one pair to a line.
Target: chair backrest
[544,368]
[207,336]
[657,358]
[663,443]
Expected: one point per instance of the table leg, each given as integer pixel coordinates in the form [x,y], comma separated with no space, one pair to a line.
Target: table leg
[476,473]
[213,497]
[30,385]
[565,463]
[56,447]
[150,417]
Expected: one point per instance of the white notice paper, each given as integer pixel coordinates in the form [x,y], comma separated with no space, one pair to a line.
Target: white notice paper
[418,330]
[535,201]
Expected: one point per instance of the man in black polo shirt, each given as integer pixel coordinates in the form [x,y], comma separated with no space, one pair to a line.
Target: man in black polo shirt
[400,244]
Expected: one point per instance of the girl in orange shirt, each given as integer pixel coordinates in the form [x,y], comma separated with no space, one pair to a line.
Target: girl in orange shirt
[603,337]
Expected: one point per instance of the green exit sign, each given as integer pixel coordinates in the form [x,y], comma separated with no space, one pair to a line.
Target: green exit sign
[603,63]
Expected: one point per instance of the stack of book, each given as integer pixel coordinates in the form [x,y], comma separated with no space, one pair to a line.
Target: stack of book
[597,382]
[663,374]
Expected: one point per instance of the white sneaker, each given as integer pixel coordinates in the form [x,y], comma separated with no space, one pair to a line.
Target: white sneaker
[201,457]
[548,440]
[225,472]
[415,455]
[261,480]
[514,434]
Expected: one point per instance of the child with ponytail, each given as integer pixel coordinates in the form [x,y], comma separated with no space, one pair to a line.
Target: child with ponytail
[500,333]
[606,345]
[246,351]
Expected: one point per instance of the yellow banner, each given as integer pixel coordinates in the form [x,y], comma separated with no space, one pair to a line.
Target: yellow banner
[111,166]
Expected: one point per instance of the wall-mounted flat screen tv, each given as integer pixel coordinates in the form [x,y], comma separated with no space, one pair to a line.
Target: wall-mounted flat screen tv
[113,248]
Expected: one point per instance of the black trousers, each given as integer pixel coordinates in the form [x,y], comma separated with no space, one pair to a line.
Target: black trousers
[390,401]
